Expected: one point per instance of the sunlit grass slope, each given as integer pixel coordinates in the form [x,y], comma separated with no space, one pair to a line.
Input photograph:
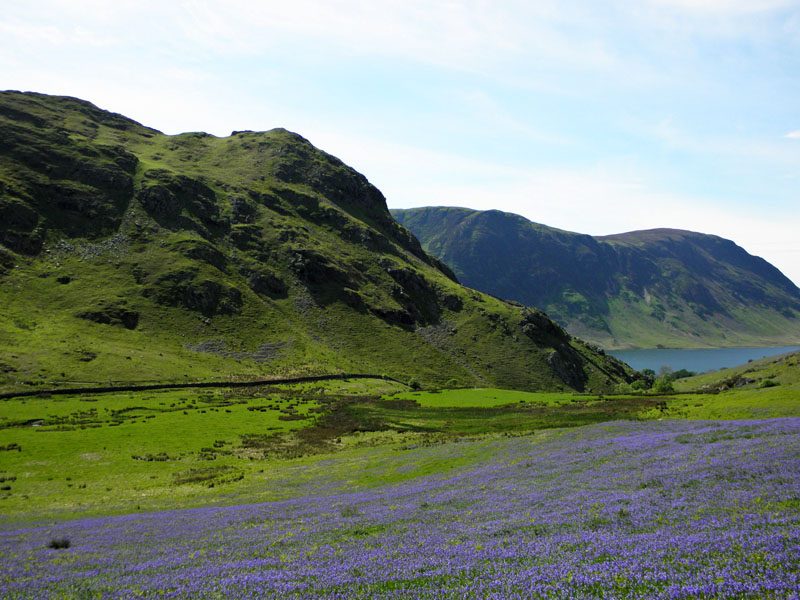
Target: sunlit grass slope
[128,255]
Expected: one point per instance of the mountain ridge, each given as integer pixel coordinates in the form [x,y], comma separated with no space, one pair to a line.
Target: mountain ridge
[647,288]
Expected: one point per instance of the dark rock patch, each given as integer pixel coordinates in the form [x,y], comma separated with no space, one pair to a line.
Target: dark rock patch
[201,250]
[452,302]
[7,260]
[182,288]
[265,282]
[165,195]
[312,267]
[568,368]
[113,313]
[242,210]
[535,322]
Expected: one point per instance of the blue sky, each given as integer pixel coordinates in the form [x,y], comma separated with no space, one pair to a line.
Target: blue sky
[597,117]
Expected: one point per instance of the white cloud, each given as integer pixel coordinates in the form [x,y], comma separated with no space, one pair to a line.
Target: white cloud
[33,33]
[725,7]
[748,150]
[794,135]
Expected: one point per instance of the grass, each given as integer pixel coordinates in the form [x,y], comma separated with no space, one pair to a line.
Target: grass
[737,404]
[784,370]
[72,455]
[253,254]
[481,398]
[117,451]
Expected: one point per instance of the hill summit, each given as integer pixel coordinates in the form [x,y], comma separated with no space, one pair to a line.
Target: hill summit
[130,255]
[660,287]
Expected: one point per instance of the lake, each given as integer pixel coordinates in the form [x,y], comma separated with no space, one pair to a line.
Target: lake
[697,360]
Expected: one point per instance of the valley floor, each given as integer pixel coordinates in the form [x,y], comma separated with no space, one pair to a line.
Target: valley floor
[357,490]
[660,509]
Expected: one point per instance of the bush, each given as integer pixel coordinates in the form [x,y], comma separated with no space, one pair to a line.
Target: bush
[414,384]
[768,383]
[59,543]
[349,511]
[663,385]
[681,374]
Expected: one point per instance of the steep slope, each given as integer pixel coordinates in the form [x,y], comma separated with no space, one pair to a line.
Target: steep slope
[661,287]
[129,255]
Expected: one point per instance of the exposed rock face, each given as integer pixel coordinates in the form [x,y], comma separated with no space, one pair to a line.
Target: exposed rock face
[643,288]
[415,294]
[568,368]
[535,322]
[166,196]
[185,288]
[262,281]
[59,184]
[203,251]
[112,313]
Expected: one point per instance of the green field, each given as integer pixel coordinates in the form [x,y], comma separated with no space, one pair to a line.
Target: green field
[73,455]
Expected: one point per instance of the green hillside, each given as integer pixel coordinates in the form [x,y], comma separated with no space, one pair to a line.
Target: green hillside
[127,255]
[643,289]
[779,373]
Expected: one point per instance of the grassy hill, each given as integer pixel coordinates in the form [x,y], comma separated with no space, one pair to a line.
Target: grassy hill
[646,289]
[770,372]
[130,255]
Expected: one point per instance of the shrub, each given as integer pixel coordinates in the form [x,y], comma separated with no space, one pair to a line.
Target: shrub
[59,543]
[414,384]
[663,385]
[768,383]
[349,511]
[682,373]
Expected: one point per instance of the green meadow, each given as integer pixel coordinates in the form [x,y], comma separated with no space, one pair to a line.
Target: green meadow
[77,455]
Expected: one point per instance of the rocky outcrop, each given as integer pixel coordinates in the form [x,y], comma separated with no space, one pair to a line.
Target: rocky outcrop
[185,288]
[112,313]
[265,282]
[53,182]
[166,196]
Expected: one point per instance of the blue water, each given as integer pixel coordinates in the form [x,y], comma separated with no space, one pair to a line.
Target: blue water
[699,361]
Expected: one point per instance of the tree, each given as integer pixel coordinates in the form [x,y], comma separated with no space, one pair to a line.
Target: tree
[665,370]
[663,385]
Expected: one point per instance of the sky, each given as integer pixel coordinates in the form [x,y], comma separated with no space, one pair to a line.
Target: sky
[595,116]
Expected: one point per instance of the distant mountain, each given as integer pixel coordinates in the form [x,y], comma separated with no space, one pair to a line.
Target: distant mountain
[127,254]
[662,287]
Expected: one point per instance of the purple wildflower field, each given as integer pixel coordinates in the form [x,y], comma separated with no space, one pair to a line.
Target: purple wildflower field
[669,509]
